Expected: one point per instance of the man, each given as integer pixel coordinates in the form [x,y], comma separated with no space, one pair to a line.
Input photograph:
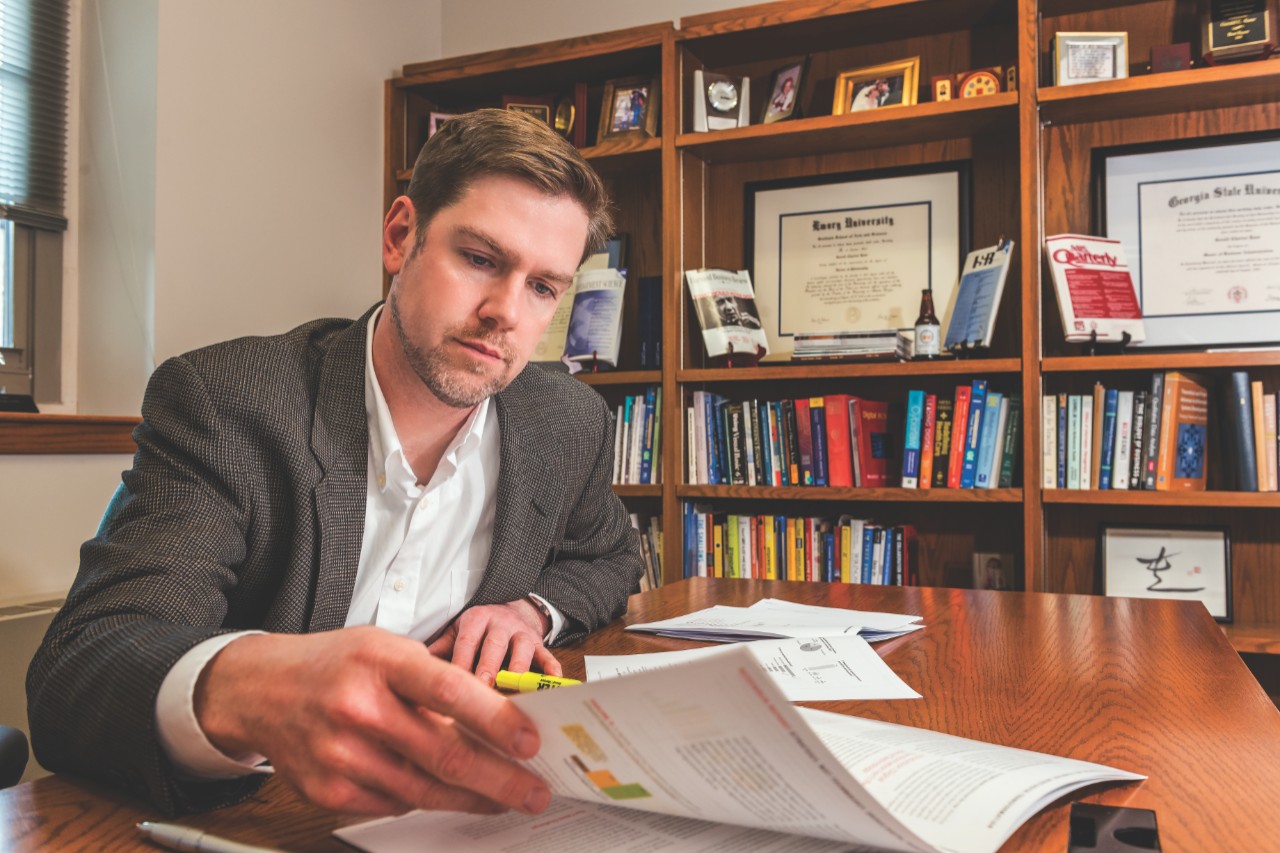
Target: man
[306,511]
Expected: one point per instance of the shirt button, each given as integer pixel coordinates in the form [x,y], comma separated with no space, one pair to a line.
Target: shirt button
[382,480]
[424,504]
[399,585]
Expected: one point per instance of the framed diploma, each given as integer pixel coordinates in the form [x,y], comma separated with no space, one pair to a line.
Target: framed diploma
[1200,224]
[851,252]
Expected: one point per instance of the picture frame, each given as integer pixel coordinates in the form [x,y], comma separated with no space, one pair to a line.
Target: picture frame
[1168,562]
[782,98]
[434,120]
[1190,199]
[629,108]
[910,225]
[993,570]
[541,107]
[1089,57]
[891,84]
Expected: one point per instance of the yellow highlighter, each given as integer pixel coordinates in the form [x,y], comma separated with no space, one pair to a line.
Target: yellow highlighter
[528,682]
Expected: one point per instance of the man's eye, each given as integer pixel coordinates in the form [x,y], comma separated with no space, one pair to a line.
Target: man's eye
[543,289]
[477,260]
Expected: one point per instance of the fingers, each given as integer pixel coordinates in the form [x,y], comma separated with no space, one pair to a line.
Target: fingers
[546,661]
[442,646]
[494,650]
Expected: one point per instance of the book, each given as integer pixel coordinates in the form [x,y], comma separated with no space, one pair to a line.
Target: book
[927,433]
[1155,411]
[1239,432]
[1183,432]
[797,778]
[792,433]
[975,300]
[997,456]
[1269,428]
[804,434]
[1124,428]
[1073,442]
[1099,410]
[987,440]
[942,429]
[1062,440]
[839,448]
[1095,290]
[1086,442]
[725,305]
[873,442]
[818,436]
[1111,406]
[647,452]
[649,291]
[595,322]
[1012,443]
[1049,441]
[959,435]
[911,443]
[973,433]
[1259,434]
[1136,457]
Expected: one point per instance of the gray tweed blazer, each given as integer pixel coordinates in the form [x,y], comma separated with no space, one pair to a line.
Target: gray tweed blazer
[247,511]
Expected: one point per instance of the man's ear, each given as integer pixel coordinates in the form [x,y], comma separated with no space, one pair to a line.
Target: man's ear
[398,234]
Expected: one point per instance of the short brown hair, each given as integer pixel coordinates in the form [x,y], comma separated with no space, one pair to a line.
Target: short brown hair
[505,142]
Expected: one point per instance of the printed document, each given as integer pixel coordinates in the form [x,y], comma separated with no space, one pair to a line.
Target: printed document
[772,618]
[807,670]
[714,739]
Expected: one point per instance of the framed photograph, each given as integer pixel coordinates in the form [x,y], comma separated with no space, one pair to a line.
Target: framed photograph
[630,108]
[851,252]
[1089,57]
[1191,217]
[782,100]
[1181,563]
[541,108]
[993,571]
[892,84]
[435,120]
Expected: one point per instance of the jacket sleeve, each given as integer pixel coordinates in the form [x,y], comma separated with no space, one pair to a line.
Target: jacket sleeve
[597,563]
[150,587]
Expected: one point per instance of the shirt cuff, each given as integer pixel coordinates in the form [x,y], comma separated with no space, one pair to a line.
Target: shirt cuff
[557,619]
[180,735]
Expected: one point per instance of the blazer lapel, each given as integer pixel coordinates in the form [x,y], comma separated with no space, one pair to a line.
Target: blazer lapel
[340,442]
[529,500]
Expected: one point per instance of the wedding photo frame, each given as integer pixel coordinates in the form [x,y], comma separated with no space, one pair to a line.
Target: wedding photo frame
[782,98]
[1190,216]
[1089,57]
[629,108]
[1165,562]
[892,84]
[822,247]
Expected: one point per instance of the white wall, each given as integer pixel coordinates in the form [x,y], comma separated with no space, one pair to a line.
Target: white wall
[471,26]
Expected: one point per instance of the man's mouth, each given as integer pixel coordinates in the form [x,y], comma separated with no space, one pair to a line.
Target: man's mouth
[484,349]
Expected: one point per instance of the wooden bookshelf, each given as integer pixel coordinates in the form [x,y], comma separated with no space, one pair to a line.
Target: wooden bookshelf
[681,196]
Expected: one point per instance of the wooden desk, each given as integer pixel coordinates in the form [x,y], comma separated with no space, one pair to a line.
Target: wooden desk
[1147,686]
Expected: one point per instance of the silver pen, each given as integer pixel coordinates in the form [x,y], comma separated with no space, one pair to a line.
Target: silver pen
[188,838]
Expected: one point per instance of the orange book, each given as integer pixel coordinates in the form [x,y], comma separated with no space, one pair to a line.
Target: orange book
[926,440]
[959,434]
[791,549]
[1259,435]
[1099,406]
[1184,433]
[839,441]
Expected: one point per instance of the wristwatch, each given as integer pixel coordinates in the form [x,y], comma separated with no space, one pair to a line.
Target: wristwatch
[542,608]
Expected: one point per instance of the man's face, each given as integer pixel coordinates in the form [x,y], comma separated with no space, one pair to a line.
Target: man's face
[472,301]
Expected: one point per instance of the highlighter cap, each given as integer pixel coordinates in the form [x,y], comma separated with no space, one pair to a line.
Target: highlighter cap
[508,680]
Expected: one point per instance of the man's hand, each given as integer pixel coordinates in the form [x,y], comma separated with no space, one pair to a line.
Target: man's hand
[494,631]
[363,720]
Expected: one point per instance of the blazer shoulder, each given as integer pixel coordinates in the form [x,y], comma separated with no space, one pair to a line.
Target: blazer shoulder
[558,395]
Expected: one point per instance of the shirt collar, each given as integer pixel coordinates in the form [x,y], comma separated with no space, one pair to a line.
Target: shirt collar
[385,451]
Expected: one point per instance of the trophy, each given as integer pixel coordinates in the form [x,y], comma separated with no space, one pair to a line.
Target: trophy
[1232,30]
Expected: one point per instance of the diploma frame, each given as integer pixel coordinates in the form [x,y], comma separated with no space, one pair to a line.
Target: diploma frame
[1121,173]
[1067,48]
[924,186]
[1168,562]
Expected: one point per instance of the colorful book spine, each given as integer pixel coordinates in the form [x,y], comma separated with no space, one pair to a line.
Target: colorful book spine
[1086,442]
[959,436]
[1110,407]
[748,443]
[777,451]
[818,430]
[926,440]
[911,444]
[1012,443]
[804,432]
[1269,427]
[1073,441]
[650,420]
[1259,434]
[839,446]
[1139,434]
[987,440]
[1124,438]
[1099,408]
[1049,441]
[1155,415]
[973,433]
[942,432]
[1062,441]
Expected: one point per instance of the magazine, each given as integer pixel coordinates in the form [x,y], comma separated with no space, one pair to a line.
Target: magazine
[1095,289]
[971,316]
[595,321]
[726,307]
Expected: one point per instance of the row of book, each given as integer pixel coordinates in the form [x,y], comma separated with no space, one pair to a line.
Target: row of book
[1252,434]
[637,438]
[797,548]
[841,440]
[650,531]
[1128,439]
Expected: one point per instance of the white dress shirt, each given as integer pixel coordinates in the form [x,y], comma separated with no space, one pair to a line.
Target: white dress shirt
[423,556]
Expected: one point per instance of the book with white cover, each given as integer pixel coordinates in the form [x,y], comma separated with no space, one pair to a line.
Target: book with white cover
[1095,290]
[595,322]
[726,307]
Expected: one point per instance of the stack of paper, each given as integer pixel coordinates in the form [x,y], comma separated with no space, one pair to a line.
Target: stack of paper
[885,343]
[772,618]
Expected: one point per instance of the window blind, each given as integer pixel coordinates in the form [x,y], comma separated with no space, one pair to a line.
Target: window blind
[33,111]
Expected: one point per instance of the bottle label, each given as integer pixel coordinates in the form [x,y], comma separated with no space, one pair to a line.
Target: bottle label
[927,340]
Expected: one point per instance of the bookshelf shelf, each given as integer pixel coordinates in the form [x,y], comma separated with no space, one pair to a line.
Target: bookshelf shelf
[1123,497]
[1162,361]
[791,372]
[621,377]
[1254,637]
[817,493]
[624,152]
[637,491]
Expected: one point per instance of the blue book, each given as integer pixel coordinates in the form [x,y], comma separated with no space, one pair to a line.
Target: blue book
[818,425]
[988,440]
[868,551]
[646,452]
[977,403]
[1108,451]
[713,439]
[690,540]
[829,557]
[723,462]
[886,557]
[764,461]
[1062,441]
[778,441]
[911,443]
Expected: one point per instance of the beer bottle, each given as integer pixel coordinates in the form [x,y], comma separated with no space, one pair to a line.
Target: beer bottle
[928,329]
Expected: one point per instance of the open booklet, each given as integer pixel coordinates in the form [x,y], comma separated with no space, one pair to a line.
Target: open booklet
[773,618]
[709,755]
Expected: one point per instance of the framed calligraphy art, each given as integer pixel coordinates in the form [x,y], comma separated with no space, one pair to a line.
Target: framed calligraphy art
[851,252]
[1179,563]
